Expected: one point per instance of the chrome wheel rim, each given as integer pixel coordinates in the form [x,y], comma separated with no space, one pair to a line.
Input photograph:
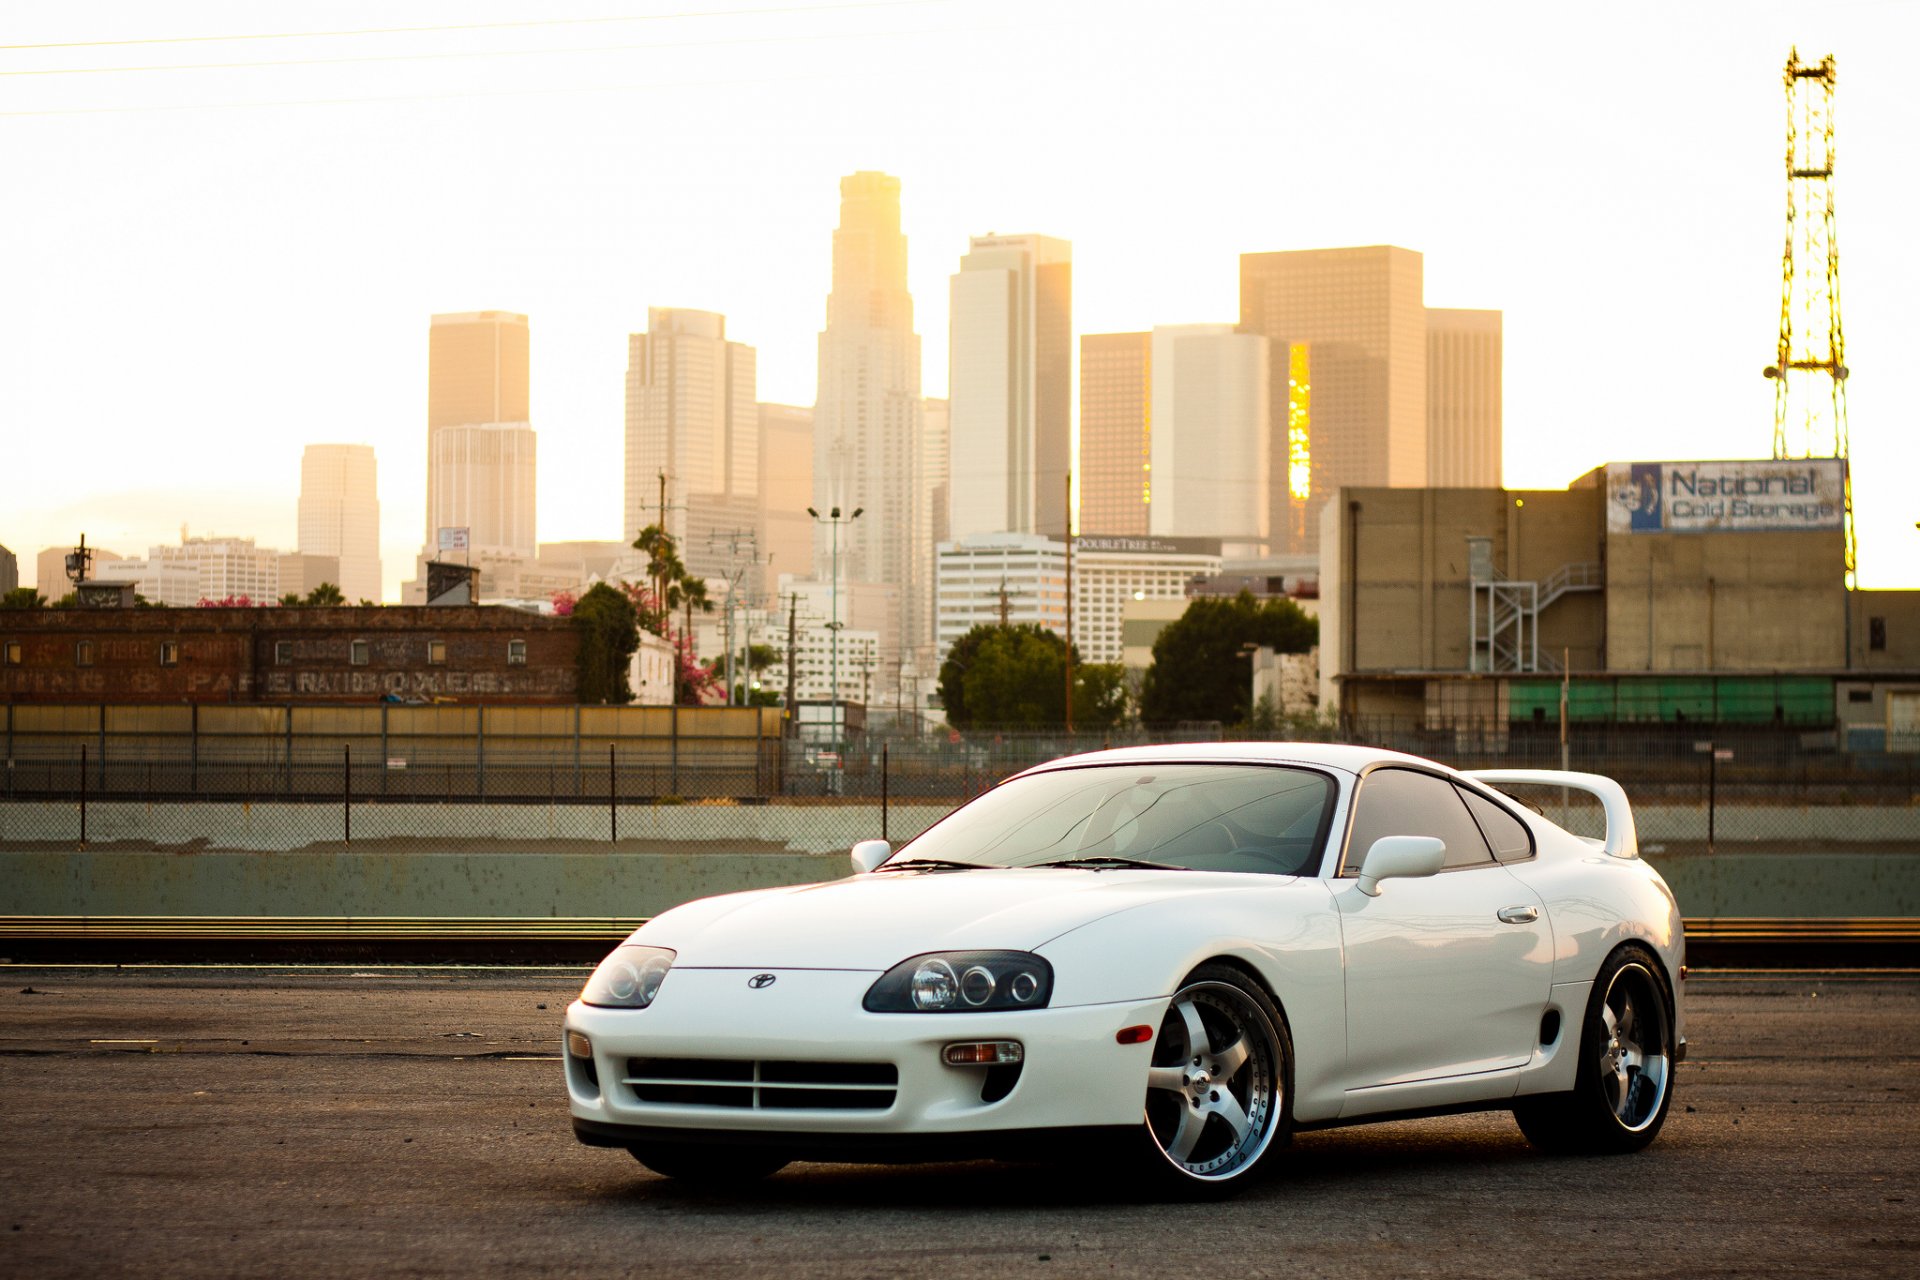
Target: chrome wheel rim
[1214,1089]
[1634,1060]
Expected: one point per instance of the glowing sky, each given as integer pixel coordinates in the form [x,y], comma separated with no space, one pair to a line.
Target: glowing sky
[209,268]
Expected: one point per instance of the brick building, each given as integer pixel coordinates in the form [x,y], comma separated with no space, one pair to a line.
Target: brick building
[344,655]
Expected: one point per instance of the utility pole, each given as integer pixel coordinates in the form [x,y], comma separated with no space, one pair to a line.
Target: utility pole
[1069,663]
[793,614]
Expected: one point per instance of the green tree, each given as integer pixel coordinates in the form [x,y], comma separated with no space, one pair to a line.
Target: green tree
[23,598]
[326,595]
[1016,677]
[609,633]
[1200,670]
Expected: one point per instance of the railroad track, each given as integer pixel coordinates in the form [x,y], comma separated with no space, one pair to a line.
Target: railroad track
[1724,941]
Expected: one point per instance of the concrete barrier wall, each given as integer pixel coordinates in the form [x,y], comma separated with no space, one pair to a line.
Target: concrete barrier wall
[356,883]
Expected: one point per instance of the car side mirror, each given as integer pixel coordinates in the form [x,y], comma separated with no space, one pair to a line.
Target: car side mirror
[1400,856]
[868,854]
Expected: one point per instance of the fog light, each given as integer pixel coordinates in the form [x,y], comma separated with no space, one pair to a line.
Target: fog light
[986,1053]
[578,1045]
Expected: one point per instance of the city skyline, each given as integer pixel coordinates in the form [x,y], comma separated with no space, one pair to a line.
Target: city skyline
[1689,247]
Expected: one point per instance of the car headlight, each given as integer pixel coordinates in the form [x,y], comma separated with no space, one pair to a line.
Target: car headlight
[629,978]
[963,982]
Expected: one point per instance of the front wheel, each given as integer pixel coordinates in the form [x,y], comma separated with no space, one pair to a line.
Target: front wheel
[1219,1091]
[1625,1078]
[717,1166]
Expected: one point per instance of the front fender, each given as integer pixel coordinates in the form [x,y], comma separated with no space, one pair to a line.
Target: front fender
[1288,937]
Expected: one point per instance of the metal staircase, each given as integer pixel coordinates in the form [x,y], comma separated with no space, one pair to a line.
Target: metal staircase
[1503,625]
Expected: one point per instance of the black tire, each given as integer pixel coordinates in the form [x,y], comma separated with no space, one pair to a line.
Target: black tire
[1624,1082]
[1210,1124]
[716,1166]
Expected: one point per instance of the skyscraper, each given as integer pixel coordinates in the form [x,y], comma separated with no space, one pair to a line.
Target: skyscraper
[1011,380]
[1211,441]
[692,417]
[9,570]
[1116,433]
[868,449]
[1351,408]
[340,514]
[786,491]
[1174,435]
[1463,399]
[480,443]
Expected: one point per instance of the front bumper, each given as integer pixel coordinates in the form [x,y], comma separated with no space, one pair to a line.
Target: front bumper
[1074,1075]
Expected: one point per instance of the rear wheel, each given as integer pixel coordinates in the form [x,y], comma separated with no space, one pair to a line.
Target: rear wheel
[710,1166]
[1625,1079]
[1219,1092]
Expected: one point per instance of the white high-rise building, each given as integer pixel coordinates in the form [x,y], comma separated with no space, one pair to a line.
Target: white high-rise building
[227,568]
[1011,379]
[692,417]
[1022,577]
[996,578]
[1211,436]
[868,445]
[174,584]
[340,514]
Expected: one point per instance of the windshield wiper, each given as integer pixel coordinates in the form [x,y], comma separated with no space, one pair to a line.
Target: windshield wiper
[930,864]
[1108,862]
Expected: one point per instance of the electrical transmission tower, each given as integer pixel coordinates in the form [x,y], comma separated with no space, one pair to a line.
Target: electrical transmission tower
[1810,366]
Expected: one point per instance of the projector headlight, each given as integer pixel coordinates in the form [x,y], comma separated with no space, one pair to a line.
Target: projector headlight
[630,978]
[963,982]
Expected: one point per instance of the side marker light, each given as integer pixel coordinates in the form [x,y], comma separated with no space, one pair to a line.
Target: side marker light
[1133,1035]
[988,1053]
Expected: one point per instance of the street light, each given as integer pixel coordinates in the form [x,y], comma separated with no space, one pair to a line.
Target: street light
[834,518]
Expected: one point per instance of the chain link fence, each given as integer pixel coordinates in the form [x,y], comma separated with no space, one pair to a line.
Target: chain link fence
[1693,789]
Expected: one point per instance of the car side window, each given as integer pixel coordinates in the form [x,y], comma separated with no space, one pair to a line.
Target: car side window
[1400,802]
[1511,840]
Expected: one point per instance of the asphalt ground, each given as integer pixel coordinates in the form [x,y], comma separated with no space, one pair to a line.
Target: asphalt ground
[383,1122]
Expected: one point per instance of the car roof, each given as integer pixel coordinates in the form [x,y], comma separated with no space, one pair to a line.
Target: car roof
[1326,755]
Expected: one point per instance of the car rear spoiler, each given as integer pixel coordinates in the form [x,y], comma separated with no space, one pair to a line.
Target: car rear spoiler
[1621,840]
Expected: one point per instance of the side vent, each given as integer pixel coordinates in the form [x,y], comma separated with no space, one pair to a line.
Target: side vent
[1549,1027]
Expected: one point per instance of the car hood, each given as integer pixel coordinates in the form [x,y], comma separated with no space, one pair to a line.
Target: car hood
[876,921]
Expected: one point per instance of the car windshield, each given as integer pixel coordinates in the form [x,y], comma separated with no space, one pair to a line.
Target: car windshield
[1195,817]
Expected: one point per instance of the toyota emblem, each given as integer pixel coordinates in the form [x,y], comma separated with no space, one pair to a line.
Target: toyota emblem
[760,980]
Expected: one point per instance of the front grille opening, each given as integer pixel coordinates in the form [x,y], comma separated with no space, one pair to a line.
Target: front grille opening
[586,1075]
[749,1085]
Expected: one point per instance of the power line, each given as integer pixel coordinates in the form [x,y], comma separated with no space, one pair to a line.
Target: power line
[469,54]
[471,26]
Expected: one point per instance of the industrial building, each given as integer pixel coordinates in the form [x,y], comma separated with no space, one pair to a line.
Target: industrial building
[1687,594]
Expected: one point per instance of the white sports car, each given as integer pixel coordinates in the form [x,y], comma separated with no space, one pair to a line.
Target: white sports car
[1187,952]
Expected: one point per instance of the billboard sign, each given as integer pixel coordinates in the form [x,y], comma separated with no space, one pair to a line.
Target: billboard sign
[1797,494]
[453,539]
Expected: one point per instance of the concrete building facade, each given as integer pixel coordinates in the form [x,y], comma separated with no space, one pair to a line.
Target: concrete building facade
[1010,375]
[9,570]
[340,514]
[1452,607]
[867,420]
[481,478]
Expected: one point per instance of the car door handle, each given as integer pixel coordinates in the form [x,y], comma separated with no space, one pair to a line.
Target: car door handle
[1519,915]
